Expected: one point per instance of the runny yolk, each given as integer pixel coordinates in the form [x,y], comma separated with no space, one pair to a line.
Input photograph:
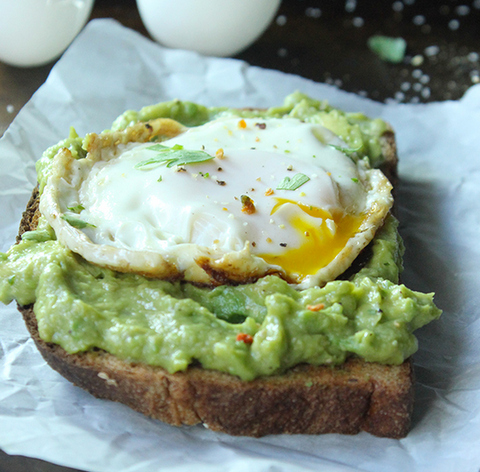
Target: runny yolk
[320,244]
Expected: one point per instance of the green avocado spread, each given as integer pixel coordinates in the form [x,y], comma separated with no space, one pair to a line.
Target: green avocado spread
[250,330]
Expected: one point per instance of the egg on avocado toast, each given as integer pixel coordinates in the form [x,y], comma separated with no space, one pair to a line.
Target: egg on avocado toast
[195,261]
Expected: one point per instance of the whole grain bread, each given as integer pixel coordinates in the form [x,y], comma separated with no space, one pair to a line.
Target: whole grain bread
[353,397]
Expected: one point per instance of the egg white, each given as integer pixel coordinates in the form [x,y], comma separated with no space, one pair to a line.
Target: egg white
[189,221]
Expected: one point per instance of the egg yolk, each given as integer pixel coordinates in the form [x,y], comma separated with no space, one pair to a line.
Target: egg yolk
[320,244]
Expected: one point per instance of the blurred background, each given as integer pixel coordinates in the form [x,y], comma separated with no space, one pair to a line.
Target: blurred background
[327,41]
[435,57]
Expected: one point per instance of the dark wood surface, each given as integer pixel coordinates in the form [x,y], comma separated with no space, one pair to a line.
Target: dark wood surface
[326,41]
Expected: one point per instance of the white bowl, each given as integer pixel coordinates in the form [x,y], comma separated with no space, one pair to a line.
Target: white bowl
[34,32]
[210,27]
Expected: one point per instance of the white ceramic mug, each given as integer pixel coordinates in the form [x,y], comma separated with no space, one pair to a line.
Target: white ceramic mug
[34,32]
[210,27]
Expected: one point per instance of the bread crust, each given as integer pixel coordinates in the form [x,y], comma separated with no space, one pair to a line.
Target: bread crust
[355,396]
[307,399]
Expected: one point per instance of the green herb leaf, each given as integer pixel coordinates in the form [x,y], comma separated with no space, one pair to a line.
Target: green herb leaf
[293,183]
[11,280]
[174,156]
[76,222]
[387,48]
[39,235]
[76,208]
[162,148]
[354,179]
[160,179]
[345,150]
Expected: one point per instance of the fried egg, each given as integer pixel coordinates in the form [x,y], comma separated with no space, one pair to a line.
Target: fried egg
[226,202]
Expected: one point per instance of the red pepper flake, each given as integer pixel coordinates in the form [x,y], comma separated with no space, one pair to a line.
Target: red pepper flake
[254,243]
[242,124]
[246,338]
[261,125]
[268,192]
[220,154]
[247,205]
[318,307]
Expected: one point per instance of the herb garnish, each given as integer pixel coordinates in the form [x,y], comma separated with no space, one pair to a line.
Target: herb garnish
[293,183]
[387,48]
[76,222]
[174,156]
[76,208]
[345,150]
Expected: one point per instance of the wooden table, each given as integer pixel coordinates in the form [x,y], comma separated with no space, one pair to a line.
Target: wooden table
[325,41]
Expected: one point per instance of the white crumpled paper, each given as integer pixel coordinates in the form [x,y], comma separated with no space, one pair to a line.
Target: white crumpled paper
[109,69]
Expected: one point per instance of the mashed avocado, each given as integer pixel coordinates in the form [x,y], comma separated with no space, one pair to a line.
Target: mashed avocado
[248,330]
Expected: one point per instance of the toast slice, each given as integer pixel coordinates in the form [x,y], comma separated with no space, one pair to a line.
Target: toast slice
[353,397]
[307,399]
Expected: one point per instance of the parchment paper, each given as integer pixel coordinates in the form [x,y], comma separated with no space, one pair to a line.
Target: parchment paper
[109,69]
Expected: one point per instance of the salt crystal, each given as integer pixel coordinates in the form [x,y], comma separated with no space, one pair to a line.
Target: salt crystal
[417,60]
[454,25]
[397,6]
[431,51]
[462,10]
[418,20]
[473,57]
[313,12]
[424,79]
[350,5]
[358,22]
[426,92]
[417,73]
